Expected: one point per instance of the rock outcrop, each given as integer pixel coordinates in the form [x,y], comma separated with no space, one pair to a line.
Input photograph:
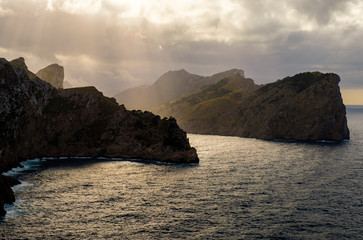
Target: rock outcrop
[305,107]
[53,74]
[19,64]
[37,120]
[6,193]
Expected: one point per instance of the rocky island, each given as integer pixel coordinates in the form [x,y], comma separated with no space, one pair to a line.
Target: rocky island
[38,120]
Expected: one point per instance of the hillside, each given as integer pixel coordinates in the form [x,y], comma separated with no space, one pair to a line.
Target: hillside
[200,109]
[169,86]
[306,107]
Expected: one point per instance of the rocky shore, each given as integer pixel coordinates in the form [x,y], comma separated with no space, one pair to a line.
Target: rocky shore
[38,120]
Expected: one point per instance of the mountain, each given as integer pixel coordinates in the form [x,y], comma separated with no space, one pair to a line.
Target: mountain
[198,110]
[53,74]
[169,86]
[37,120]
[306,107]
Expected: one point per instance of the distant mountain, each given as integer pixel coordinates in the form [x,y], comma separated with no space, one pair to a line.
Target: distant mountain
[199,110]
[53,74]
[169,86]
[67,84]
[307,107]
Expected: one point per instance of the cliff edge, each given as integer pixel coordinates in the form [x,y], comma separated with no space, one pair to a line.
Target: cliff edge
[38,120]
[305,107]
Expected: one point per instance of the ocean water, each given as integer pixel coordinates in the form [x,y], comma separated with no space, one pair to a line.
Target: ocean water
[242,189]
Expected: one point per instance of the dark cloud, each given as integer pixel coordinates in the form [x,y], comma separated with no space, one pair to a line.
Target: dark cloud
[321,11]
[102,47]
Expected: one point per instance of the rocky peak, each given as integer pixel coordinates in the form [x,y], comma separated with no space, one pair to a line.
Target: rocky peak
[228,73]
[21,68]
[181,76]
[53,74]
[19,63]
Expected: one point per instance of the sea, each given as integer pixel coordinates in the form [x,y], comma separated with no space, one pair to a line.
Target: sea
[242,189]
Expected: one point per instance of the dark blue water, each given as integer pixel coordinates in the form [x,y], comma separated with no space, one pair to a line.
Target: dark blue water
[242,189]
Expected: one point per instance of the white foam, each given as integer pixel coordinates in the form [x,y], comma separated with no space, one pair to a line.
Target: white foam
[32,164]
[13,210]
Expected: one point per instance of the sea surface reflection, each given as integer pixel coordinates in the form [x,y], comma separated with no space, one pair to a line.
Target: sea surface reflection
[242,189]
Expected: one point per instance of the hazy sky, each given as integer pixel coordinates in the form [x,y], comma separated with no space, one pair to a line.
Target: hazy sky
[115,44]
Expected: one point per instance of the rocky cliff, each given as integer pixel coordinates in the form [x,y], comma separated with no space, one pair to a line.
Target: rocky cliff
[37,120]
[19,65]
[6,193]
[306,107]
[53,74]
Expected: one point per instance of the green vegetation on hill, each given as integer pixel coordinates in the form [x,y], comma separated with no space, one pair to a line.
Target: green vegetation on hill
[307,106]
[299,82]
[203,107]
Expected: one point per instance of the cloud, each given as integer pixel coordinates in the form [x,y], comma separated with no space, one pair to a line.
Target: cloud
[75,6]
[321,11]
[119,44]
[5,12]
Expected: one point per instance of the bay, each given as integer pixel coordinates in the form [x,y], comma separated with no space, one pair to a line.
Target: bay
[242,189]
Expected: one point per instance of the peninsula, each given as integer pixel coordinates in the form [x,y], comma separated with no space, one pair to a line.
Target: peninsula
[304,107]
[38,120]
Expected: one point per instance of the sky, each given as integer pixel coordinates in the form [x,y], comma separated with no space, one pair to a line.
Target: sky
[116,44]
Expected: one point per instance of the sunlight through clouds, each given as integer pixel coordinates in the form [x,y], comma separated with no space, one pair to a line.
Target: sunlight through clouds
[122,43]
[5,12]
[75,6]
[201,20]
[353,16]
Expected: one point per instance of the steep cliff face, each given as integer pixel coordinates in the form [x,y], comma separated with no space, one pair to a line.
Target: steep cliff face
[82,122]
[37,120]
[21,99]
[53,74]
[306,107]
[6,193]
